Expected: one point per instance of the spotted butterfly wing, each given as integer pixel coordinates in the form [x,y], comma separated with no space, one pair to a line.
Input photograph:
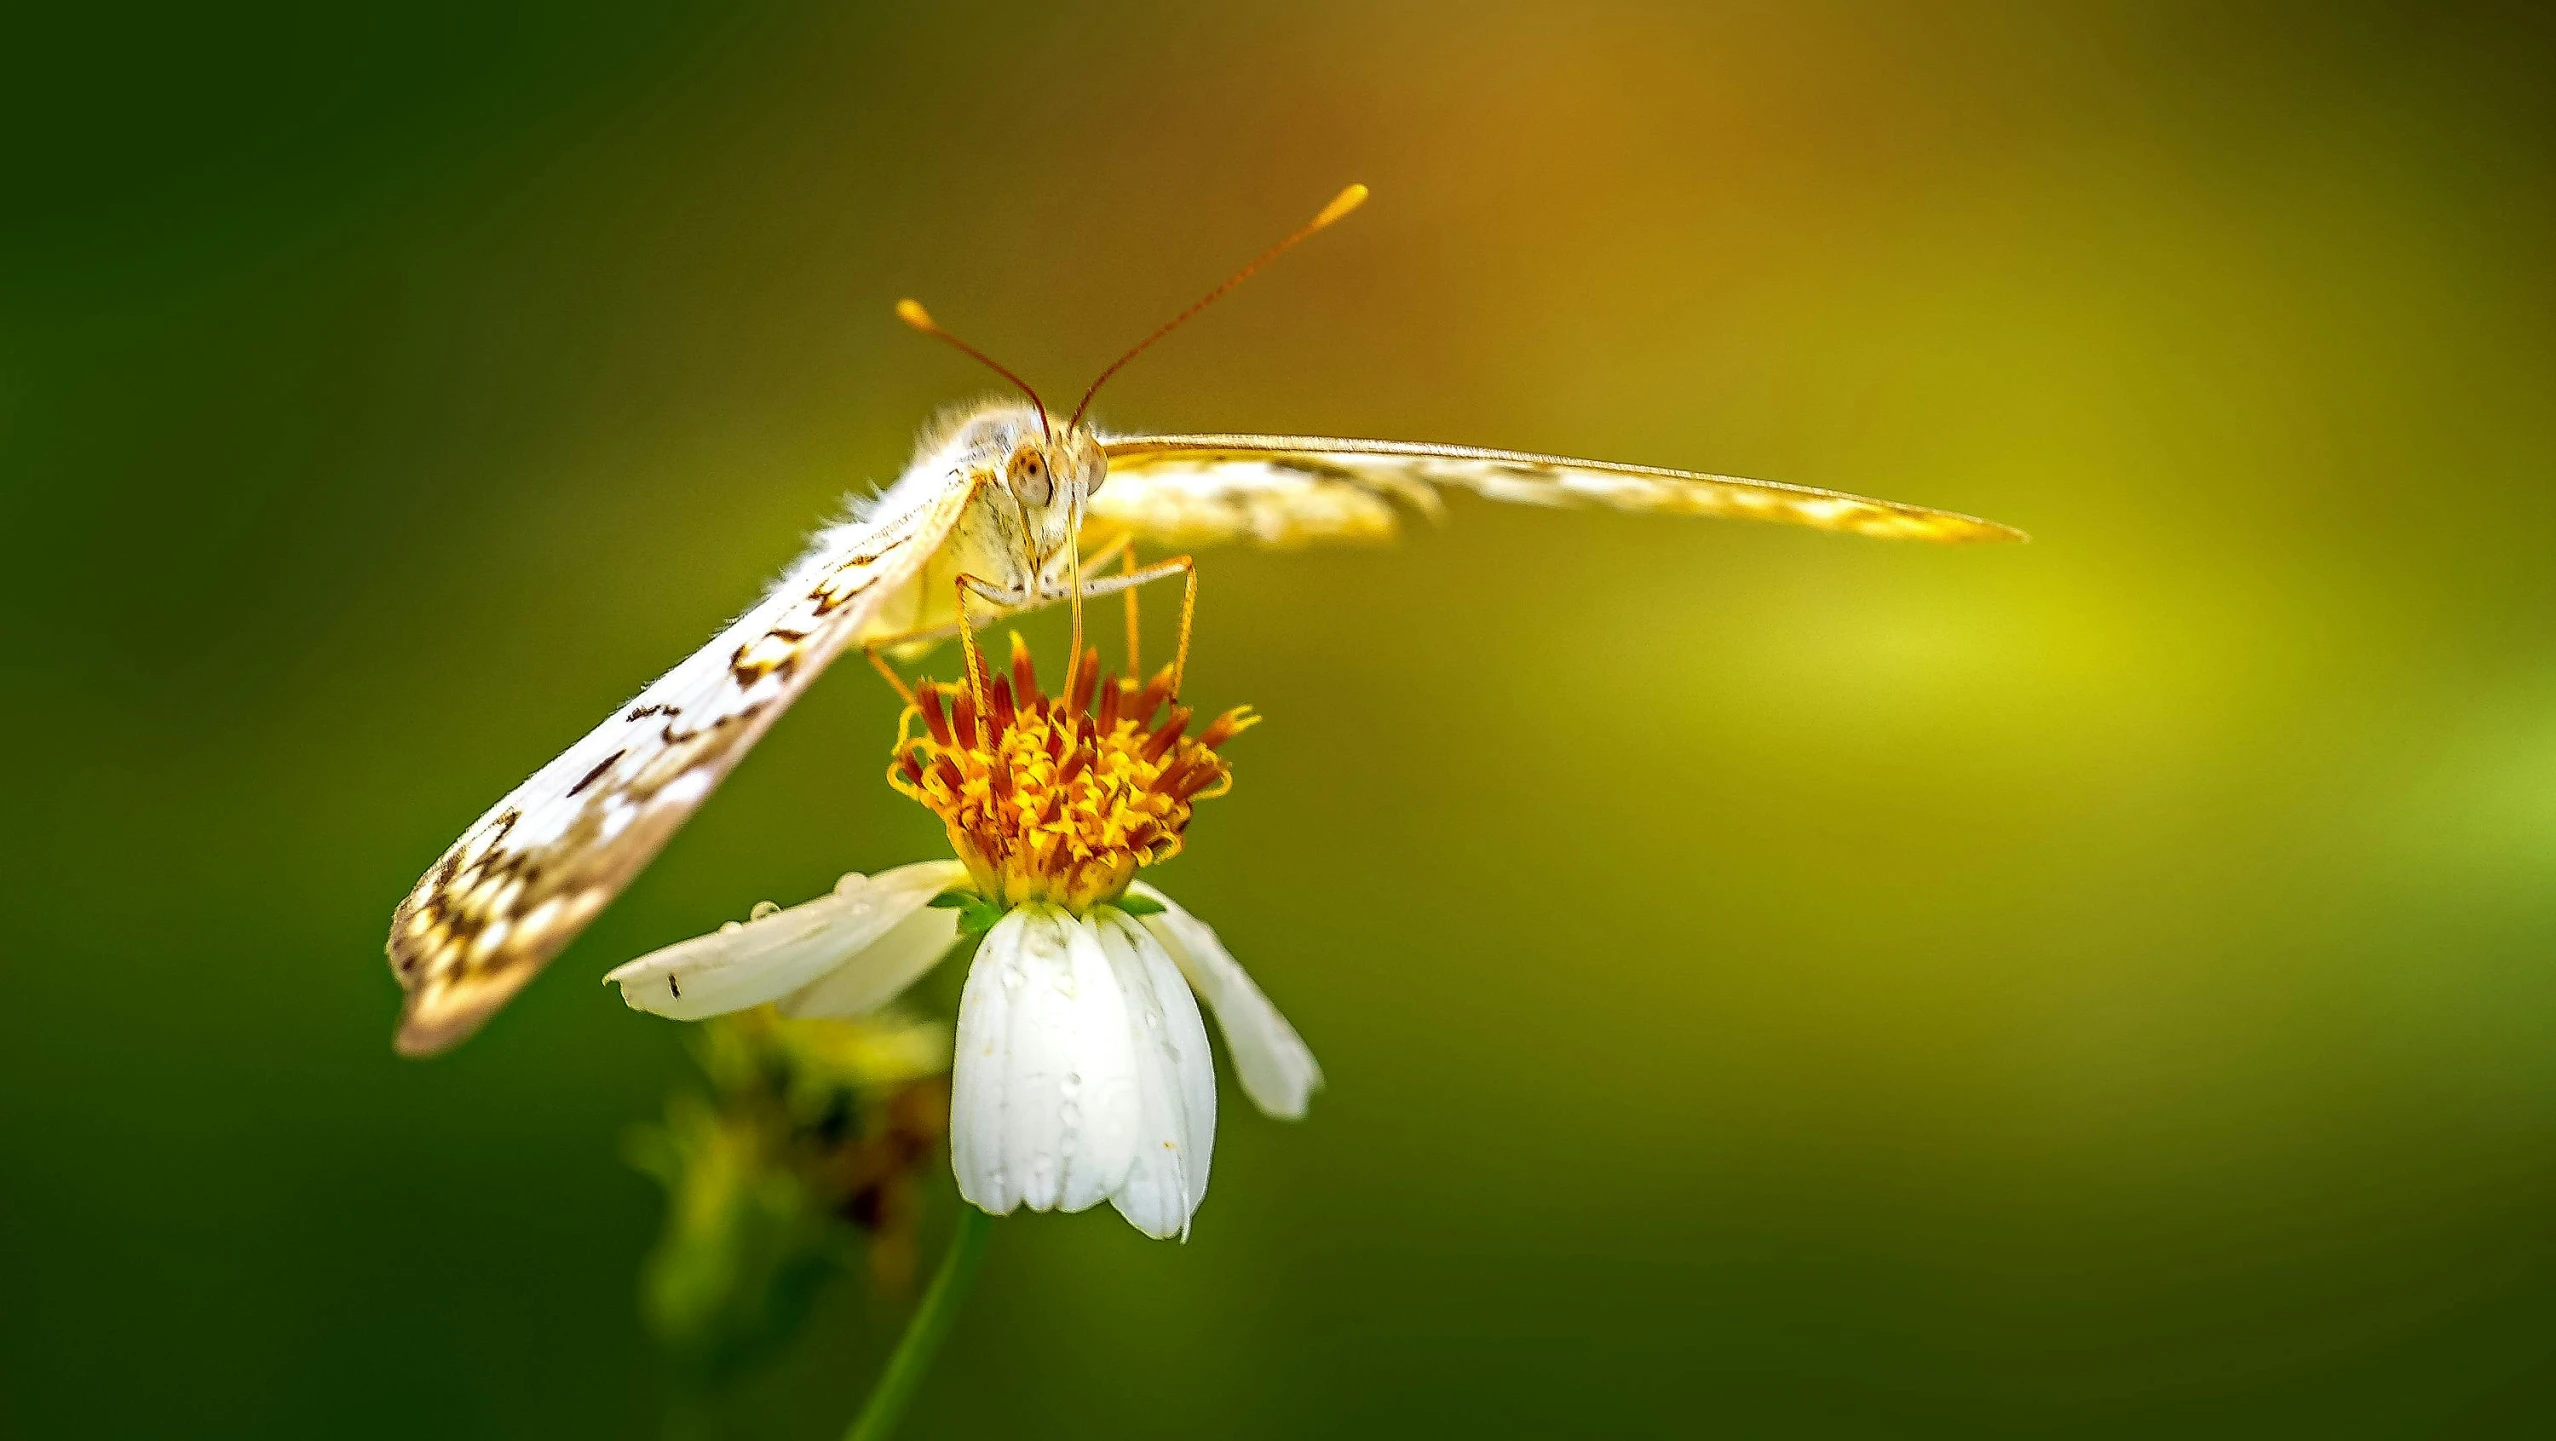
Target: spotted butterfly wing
[527,877]
[1285,490]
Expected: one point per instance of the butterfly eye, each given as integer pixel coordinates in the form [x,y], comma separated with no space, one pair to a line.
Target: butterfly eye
[1029,477]
[1095,465]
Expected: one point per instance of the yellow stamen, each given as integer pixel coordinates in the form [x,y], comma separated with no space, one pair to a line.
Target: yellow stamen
[1047,801]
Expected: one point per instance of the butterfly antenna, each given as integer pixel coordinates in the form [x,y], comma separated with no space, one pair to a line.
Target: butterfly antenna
[913,313]
[1341,204]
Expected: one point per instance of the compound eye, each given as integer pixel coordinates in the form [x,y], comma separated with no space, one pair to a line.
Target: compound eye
[1029,477]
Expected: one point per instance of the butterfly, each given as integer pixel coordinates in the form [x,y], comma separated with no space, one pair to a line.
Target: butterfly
[1001,503]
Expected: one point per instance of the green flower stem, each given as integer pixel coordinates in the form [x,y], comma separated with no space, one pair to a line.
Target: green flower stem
[925,1333]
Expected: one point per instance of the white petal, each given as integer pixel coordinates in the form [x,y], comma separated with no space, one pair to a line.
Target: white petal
[1277,1069]
[1044,1104]
[1176,1082]
[881,972]
[729,970]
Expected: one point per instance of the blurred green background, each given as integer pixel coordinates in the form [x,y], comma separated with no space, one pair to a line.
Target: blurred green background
[1771,983]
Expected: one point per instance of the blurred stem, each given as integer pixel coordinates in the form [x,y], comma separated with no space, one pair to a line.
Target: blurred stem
[924,1334]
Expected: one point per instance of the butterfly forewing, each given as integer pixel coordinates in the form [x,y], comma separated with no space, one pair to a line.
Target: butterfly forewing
[521,883]
[1301,489]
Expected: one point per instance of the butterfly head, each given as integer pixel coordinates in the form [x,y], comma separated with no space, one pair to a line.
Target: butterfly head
[1052,477]
[1039,477]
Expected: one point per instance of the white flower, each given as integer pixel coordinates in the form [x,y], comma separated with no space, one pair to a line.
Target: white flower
[1082,1071]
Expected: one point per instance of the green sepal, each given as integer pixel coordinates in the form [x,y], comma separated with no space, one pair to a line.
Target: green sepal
[1140,905]
[977,915]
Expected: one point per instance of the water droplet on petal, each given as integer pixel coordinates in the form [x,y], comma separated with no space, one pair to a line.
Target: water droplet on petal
[763,909]
[730,928]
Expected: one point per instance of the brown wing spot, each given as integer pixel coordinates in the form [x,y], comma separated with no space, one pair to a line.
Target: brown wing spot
[766,654]
[642,712]
[835,593]
[1319,470]
[435,925]
[673,737]
[890,536]
[854,574]
[597,773]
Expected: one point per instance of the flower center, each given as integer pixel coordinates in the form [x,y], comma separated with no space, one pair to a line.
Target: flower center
[1060,799]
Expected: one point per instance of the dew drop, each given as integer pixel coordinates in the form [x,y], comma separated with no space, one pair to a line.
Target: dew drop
[763,909]
[730,928]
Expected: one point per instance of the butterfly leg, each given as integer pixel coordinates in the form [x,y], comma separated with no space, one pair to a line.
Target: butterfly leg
[1109,549]
[1188,613]
[1123,543]
[1003,600]
[1134,575]
[1127,581]
[1011,603]
[1000,599]
[888,673]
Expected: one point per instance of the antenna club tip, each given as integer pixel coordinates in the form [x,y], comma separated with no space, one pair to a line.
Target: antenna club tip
[913,313]
[1341,204]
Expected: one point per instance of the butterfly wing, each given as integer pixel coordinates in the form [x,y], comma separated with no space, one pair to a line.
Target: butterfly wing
[1287,490]
[522,882]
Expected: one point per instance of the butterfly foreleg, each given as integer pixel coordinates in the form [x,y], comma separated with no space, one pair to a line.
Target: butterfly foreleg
[975,662]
